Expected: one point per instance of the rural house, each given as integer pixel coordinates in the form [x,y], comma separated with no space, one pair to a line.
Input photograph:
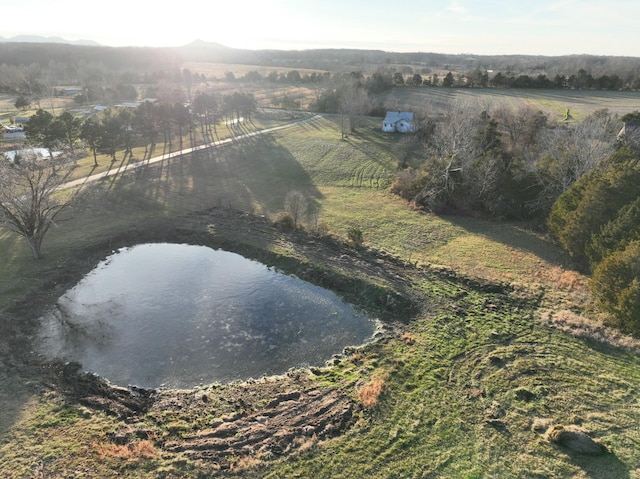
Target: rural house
[630,135]
[400,121]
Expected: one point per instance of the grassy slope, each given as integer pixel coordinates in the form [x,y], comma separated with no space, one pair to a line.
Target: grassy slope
[458,402]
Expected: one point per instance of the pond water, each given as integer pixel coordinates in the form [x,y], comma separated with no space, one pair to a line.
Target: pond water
[179,315]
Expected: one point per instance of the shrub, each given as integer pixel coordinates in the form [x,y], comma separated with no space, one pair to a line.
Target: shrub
[295,204]
[616,234]
[285,222]
[616,287]
[356,236]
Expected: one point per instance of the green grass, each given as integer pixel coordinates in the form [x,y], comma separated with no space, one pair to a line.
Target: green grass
[459,400]
[432,419]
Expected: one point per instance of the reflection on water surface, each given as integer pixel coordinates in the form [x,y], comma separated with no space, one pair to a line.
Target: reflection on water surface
[181,315]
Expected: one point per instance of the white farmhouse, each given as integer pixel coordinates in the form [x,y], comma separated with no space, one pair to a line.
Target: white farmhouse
[630,135]
[400,121]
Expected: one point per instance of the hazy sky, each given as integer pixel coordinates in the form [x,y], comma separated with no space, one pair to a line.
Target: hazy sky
[543,27]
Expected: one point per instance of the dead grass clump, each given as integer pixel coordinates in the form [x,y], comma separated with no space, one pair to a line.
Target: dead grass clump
[369,393]
[564,280]
[306,443]
[581,327]
[540,425]
[245,463]
[408,339]
[357,357]
[284,222]
[143,449]
[570,281]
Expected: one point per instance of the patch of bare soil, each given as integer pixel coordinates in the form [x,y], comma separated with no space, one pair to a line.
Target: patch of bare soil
[288,421]
[96,393]
[257,419]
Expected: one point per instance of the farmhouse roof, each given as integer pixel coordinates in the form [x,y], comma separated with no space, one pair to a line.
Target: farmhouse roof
[396,116]
[129,104]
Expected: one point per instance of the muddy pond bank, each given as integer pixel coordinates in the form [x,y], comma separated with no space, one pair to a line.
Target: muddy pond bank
[262,418]
[372,281]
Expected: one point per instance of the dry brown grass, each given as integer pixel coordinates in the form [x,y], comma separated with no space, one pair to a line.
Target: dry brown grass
[52,104]
[143,449]
[357,357]
[245,463]
[561,278]
[408,339]
[583,327]
[369,393]
[570,280]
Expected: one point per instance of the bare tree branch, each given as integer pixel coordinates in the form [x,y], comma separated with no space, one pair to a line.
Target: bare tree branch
[31,197]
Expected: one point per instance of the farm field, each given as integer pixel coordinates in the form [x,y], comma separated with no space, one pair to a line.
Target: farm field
[553,102]
[219,70]
[498,345]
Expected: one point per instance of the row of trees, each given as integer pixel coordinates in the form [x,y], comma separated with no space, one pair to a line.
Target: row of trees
[481,79]
[123,128]
[478,78]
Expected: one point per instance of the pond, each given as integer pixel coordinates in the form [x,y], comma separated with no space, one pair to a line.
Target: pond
[178,315]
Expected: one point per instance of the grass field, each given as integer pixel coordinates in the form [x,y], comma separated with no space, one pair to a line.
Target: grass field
[461,389]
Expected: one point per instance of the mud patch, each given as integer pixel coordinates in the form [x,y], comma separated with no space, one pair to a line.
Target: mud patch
[96,393]
[289,421]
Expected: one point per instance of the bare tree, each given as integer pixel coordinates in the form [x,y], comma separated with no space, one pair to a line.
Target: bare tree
[521,126]
[463,166]
[354,104]
[296,205]
[567,153]
[31,198]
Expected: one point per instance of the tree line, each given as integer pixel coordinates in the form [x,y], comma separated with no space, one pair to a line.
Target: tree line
[597,221]
[114,129]
[105,75]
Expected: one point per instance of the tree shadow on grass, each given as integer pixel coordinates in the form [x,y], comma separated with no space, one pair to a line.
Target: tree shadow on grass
[515,235]
[253,174]
[607,466]
[14,389]
[13,397]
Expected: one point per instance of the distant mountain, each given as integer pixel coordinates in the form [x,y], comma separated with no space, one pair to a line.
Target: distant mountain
[203,51]
[204,44]
[41,39]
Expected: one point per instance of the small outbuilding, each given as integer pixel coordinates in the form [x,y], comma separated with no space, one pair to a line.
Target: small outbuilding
[630,135]
[400,121]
